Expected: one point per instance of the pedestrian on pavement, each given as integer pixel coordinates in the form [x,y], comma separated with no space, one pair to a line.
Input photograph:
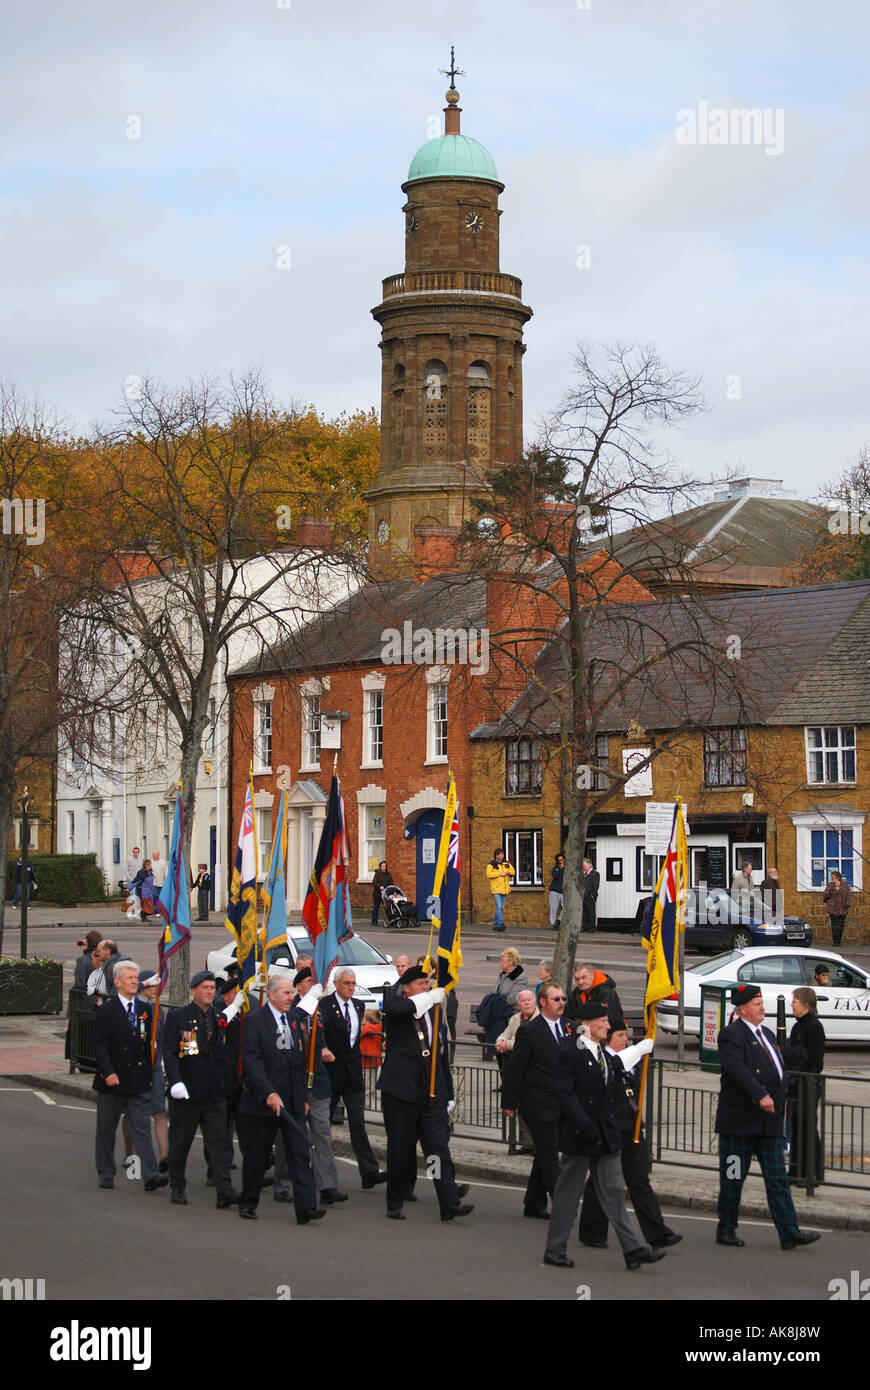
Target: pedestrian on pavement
[131,869]
[382,878]
[772,895]
[342,1019]
[530,1085]
[159,869]
[499,872]
[409,1117]
[750,1120]
[742,887]
[591,1139]
[84,963]
[557,890]
[202,884]
[122,1049]
[193,1046]
[635,1160]
[144,885]
[805,1054]
[319,1094]
[32,884]
[101,979]
[591,886]
[837,898]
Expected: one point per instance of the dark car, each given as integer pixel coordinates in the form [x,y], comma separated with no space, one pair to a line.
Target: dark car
[714,918]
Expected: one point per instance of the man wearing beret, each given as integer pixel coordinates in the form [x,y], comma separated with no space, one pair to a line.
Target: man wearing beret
[193,1046]
[590,1138]
[319,1098]
[750,1120]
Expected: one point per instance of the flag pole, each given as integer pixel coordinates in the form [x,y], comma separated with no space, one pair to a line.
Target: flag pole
[313,1039]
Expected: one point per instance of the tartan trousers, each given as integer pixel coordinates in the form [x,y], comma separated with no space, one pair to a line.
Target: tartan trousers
[735,1155]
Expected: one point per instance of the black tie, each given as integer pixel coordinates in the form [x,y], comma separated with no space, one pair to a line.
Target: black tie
[131,1014]
[347,1018]
[602,1064]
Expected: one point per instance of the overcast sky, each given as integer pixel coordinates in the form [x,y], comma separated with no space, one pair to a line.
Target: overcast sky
[272,123]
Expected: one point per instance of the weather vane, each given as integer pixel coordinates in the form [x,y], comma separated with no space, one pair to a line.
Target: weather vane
[453,71]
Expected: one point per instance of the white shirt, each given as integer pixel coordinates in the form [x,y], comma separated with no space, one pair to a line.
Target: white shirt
[158,869]
[280,1028]
[346,1007]
[757,1029]
[97,982]
[557,1028]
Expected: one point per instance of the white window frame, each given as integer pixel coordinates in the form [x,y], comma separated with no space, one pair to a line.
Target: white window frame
[436,678]
[310,691]
[264,841]
[263,698]
[509,842]
[825,752]
[372,688]
[370,795]
[71,832]
[806,821]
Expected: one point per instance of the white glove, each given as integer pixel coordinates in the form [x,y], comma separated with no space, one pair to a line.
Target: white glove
[231,1010]
[630,1056]
[179,1091]
[451,1106]
[426,1001]
[308,1002]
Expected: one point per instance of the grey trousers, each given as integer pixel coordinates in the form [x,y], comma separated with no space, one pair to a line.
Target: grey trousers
[322,1157]
[109,1111]
[608,1181]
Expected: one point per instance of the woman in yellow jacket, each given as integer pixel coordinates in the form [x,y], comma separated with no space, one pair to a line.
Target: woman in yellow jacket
[499,872]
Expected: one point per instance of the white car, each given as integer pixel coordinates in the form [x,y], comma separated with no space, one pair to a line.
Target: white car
[844,1005]
[372,968]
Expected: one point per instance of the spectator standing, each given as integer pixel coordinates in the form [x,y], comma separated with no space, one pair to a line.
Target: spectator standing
[144,885]
[592,986]
[158,872]
[741,883]
[84,965]
[804,1053]
[202,884]
[837,898]
[31,883]
[527,1009]
[545,975]
[591,885]
[772,895]
[131,869]
[499,872]
[512,977]
[382,878]
[557,891]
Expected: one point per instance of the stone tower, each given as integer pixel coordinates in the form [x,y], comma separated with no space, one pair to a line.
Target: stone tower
[451,348]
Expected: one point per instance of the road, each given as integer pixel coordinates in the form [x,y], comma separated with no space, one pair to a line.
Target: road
[90,1245]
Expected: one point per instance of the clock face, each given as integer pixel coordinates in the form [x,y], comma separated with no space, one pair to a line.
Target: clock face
[474,221]
[383,532]
[412,223]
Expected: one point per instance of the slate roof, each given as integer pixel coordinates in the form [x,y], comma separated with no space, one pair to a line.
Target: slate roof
[803,657]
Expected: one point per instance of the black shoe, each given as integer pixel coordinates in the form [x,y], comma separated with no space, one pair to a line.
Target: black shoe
[163,1165]
[178,1197]
[462,1190]
[635,1258]
[153,1183]
[536,1215]
[107,1182]
[594,1244]
[373,1180]
[396,1215]
[268,1181]
[560,1261]
[409,1197]
[303,1217]
[728,1238]
[670,1239]
[330,1195]
[450,1213]
[282,1197]
[247,1213]
[802,1238]
[228,1199]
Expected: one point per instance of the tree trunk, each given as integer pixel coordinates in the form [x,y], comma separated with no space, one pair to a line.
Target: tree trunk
[572,902]
[6,816]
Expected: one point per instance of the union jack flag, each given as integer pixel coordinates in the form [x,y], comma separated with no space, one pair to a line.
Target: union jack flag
[447,893]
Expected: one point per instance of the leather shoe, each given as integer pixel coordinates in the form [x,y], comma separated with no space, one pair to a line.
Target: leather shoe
[268,1181]
[227,1199]
[450,1213]
[672,1238]
[163,1166]
[153,1183]
[635,1258]
[247,1213]
[396,1215]
[536,1215]
[728,1238]
[595,1244]
[372,1180]
[462,1190]
[178,1197]
[303,1217]
[802,1238]
[107,1182]
[560,1261]
[330,1195]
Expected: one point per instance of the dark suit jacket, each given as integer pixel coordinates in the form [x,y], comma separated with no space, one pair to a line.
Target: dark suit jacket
[530,1082]
[406,1071]
[591,884]
[322,1088]
[346,1072]
[590,1107]
[202,1073]
[748,1074]
[268,1067]
[118,1049]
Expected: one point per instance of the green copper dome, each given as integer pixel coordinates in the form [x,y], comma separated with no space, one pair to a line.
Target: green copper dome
[452,157]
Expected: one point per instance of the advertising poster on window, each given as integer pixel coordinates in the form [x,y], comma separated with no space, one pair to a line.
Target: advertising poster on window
[639,783]
[659,822]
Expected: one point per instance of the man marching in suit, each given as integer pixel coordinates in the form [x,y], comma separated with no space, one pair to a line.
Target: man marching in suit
[749,1120]
[531,1085]
[342,1020]
[274,1096]
[122,1048]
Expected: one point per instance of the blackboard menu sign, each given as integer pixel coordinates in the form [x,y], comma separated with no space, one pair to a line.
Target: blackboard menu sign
[717,866]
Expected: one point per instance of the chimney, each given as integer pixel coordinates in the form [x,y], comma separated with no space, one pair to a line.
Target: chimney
[314,533]
[435,550]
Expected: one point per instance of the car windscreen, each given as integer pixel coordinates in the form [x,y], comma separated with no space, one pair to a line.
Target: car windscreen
[711,967]
[353,952]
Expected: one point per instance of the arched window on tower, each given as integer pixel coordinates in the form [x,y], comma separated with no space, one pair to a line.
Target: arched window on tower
[479,381]
[435,435]
[398,407]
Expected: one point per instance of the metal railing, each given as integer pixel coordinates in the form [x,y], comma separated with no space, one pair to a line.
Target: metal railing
[477,1091]
[82,1013]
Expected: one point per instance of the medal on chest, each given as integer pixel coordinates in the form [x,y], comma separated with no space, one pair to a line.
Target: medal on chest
[188,1046]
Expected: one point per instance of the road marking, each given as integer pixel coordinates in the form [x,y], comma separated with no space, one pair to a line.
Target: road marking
[44,1097]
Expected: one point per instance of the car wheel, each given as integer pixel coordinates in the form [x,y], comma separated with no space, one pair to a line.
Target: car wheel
[740,939]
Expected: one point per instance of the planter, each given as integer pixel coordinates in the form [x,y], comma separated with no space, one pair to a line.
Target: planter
[31,986]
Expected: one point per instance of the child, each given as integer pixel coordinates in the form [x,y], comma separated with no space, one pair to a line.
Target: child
[202,883]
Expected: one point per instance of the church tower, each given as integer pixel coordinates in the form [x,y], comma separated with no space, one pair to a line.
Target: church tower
[451,347]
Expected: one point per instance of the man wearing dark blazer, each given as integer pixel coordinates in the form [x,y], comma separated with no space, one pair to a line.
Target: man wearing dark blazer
[274,1097]
[590,1138]
[318,1095]
[591,886]
[531,1086]
[404,1083]
[193,1050]
[750,1120]
[122,1049]
[342,1029]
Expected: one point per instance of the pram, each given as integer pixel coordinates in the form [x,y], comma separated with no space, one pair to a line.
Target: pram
[398,911]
